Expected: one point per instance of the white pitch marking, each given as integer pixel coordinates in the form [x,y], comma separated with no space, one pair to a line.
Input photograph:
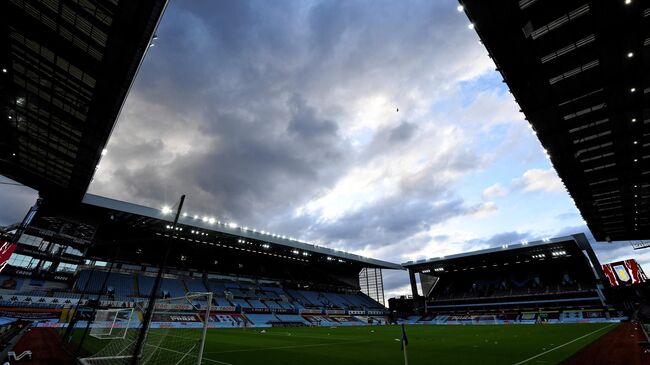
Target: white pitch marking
[182,353]
[564,344]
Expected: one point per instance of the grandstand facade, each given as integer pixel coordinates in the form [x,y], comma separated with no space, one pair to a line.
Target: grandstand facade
[557,279]
[104,253]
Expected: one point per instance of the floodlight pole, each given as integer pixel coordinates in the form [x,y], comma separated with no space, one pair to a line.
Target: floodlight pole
[154,290]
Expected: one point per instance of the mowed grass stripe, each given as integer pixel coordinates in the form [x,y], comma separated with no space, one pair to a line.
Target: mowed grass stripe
[380,345]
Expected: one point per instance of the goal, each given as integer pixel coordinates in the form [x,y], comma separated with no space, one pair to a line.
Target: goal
[111,323]
[176,334]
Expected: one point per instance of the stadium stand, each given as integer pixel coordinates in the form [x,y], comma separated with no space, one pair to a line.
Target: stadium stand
[122,285]
[195,285]
[262,320]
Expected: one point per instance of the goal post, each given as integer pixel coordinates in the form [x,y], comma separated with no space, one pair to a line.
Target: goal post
[111,323]
[176,333]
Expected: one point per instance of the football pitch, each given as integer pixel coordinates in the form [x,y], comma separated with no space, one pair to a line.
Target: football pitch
[379,345]
[428,344]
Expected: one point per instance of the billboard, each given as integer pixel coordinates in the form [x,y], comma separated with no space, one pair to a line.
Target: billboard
[622,273]
[6,249]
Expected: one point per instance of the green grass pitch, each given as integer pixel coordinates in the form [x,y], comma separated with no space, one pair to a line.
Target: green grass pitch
[379,345]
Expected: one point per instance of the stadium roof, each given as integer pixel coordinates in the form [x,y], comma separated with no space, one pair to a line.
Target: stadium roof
[545,246]
[525,245]
[66,68]
[580,73]
[137,212]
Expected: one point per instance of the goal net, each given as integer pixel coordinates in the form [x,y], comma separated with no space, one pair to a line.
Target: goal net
[176,334]
[111,323]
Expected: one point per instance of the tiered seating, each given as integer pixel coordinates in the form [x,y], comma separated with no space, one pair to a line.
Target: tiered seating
[261,319]
[273,305]
[122,284]
[221,301]
[241,302]
[174,287]
[292,318]
[217,288]
[61,294]
[337,300]
[145,283]
[255,303]
[195,285]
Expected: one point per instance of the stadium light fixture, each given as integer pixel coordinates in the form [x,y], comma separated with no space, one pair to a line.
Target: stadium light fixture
[460,8]
[633,90]
[630,54]
[628,2]
[104,152]
[196,217]
[205,219]
[232,225]
[184,214]
[166,210]
[211,220]
[633,120]
[470,25]
[635,142]
[266,245]
[295,252]
[4,70]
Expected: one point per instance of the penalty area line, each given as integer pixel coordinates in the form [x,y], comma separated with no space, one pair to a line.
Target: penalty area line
[564,344]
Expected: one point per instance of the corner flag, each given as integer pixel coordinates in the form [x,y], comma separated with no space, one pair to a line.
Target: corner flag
[405,343]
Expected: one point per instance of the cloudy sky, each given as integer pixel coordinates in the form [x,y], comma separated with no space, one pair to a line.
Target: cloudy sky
[283,115]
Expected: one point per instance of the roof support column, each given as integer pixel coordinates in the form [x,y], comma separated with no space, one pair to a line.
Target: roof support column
[414,284]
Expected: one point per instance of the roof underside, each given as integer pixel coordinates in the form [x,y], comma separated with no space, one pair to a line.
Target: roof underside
[102,214]
[496,253]
[579,71]
[67,66]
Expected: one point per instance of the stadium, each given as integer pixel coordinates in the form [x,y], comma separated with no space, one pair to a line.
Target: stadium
[88,279]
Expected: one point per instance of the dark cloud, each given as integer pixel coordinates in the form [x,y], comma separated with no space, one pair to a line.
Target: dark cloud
[242,105]
[387,222]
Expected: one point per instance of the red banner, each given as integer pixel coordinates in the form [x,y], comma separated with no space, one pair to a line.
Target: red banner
[627,272]
[6,250]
